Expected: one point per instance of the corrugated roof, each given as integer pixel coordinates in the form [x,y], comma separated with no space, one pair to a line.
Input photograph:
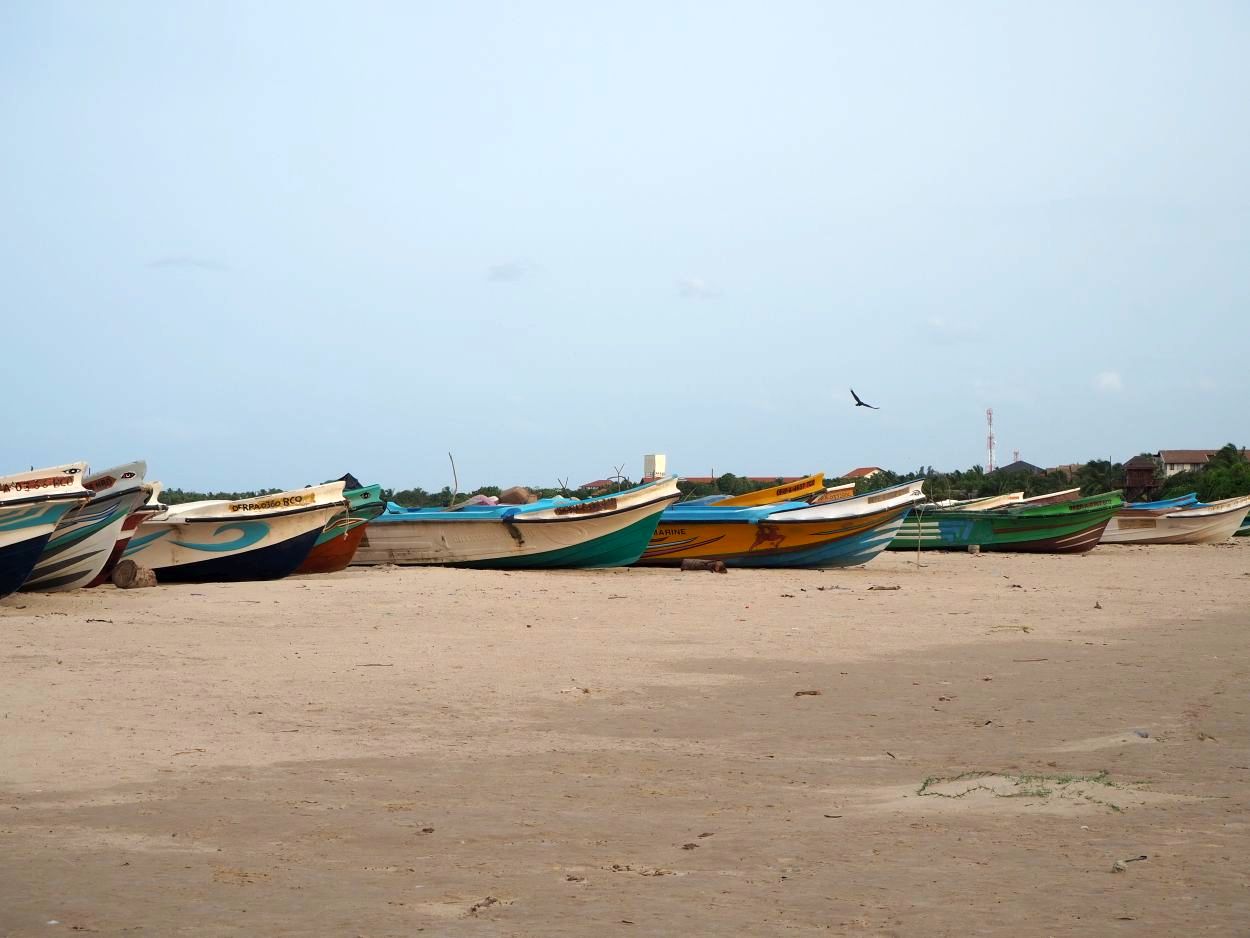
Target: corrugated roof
[1192,457]
[862,471]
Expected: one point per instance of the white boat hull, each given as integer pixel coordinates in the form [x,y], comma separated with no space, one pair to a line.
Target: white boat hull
[83,542]
[1209,525]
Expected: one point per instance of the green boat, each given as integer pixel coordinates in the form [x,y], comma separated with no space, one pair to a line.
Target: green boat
[1071,527]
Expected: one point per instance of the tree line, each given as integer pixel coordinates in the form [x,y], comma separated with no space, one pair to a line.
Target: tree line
[1225,475]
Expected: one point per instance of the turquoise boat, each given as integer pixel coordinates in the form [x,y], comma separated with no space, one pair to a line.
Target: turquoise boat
[604,531]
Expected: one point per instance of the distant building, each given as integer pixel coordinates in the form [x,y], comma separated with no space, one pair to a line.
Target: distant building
[654,466]
[1068,469]
[1188,460]
[1139,478]
[1019,466]
[863,472]
[598,484]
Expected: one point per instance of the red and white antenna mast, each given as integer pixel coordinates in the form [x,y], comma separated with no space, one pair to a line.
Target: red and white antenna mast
[989,439]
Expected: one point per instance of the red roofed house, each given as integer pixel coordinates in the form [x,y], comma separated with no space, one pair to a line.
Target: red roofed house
[863,472]
[1187,460]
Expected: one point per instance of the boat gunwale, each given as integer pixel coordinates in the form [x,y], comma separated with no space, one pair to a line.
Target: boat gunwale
[75,494]
[258,515]
[451,517]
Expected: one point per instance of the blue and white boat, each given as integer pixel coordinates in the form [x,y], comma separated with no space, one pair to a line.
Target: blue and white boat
[83,541]
[263,538]
[32,504]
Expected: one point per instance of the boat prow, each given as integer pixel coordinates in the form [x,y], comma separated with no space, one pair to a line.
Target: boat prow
[32,504]
[83,542]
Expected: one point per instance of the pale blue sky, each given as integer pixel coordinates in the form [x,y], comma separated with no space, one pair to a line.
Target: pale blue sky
[266,243]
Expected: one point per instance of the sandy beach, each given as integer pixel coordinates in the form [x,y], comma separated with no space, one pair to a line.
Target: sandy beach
[967,748]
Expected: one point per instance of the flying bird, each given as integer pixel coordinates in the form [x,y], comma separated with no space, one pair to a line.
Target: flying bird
[859,403]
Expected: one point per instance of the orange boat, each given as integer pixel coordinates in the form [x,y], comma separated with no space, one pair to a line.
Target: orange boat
[338,542]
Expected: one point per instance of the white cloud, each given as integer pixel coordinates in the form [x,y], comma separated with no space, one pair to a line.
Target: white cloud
[509,271]
[1109,381]
[696,288]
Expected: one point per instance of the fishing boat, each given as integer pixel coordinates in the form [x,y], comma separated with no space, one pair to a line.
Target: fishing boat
[338,542]
[604,531]
[84,539]
[262,538]
[1062,528]
[1193,523]
[32,504]
[839,533]
[151,505]
[796,491]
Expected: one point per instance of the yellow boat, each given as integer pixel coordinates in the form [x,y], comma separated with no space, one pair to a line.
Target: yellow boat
[787,534]
[798,491]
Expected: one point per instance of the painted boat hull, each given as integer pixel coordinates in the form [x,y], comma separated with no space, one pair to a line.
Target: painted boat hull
[616,540]
[820,543]
[129,526]
[19,555]
[1066,528]
[84,540]
[338,542]
[32,504]
[335,554]
[275,560]
[610,531]
[263,538]
[1186,526]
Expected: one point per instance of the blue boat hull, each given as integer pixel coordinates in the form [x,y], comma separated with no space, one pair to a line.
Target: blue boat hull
[267,563]
[845,552]
[17,560]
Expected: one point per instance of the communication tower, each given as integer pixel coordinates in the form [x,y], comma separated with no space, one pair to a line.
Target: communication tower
[989,439]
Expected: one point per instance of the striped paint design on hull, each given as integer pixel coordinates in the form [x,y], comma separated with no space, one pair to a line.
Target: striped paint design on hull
[1075,532]
[1075,543]
[839,542]
[852,551]
[83,543]
[24,533]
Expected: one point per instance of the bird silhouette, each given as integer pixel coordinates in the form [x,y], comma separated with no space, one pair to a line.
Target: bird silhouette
[859,403]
